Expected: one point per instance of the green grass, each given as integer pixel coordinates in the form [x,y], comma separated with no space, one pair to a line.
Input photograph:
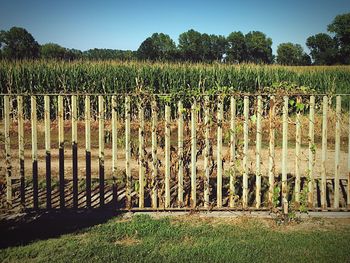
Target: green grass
[144,239]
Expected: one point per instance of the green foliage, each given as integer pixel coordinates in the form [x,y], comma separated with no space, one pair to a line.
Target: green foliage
[341,28]
[237,48]
[258,47]
[292,55]
[18,43]
[157,47]
[323,49]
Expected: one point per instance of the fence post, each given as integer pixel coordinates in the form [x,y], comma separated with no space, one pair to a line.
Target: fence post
[272,127]
[101,146]
[167,156]
[154,183]
[61,150]
[180,153]
[258,152]
[127,152]
[312,150]
[232,150]
[141,156]
[324,153]
[75,151]
[193,153]
[245,151]
[47,150]
[88,150]
[21,148]
[297,153]
[9,194]
[337,152]
[285,156]
[34,151]
[114,142]
[219,152]
[206,152]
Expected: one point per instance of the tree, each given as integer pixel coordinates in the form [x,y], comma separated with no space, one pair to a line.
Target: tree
[157,47]
[323,49]
[341,28]
[236,47]
[258,47]
[18,43]
[191,46]
[291,54]
[52,51]
[218,46]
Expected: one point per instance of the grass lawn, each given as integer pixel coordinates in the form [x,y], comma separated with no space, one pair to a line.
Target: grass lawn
[192,239]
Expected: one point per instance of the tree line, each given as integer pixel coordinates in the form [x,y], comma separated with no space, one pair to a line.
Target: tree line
[253,47]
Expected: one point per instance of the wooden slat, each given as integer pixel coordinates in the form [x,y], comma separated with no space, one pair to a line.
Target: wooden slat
[88,150]
[312,149]
[232,151]
[193,153]
[285,156]
[206,152]
[61,150]
[167,156]
[75,151]
[127,152]
[141,156]
[21,148]
[258,152]
[180,154]
[297,153]
[9,194]
[154,156]
[34,151]
[245,151]
[101,147]
[272,129]
[324,153]
[219,152]
[337,152]
[114,148]
[47,150]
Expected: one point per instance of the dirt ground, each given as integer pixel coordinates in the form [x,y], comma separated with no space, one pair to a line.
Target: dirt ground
[330,166]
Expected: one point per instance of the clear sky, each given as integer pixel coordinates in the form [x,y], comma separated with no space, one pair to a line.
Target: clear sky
[85,24]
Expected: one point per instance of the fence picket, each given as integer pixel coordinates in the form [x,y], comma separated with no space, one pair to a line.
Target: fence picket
[21,147]
[297,152]
[34,151]
[245,151]
[285,156]
[88,150]
[9,193]
[193,153]
[167,156]
[219,152]
[127,152]
[154,184]
[61,150]
[312,150]
[232,150]
[141,156]
[272,132]
[180,154]
[206,153]
[337,152]
[47,150]
[75,151]
[101,151]
[258,152]
[324,153]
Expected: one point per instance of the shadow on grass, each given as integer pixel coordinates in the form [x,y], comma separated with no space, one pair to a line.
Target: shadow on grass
[25,228]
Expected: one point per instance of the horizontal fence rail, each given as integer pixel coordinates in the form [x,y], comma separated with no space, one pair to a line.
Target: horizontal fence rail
[163,152]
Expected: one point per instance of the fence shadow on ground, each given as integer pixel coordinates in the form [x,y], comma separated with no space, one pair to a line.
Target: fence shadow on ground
[37,225]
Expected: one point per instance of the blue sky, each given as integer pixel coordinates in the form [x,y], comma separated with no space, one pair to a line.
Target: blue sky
[125,24]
